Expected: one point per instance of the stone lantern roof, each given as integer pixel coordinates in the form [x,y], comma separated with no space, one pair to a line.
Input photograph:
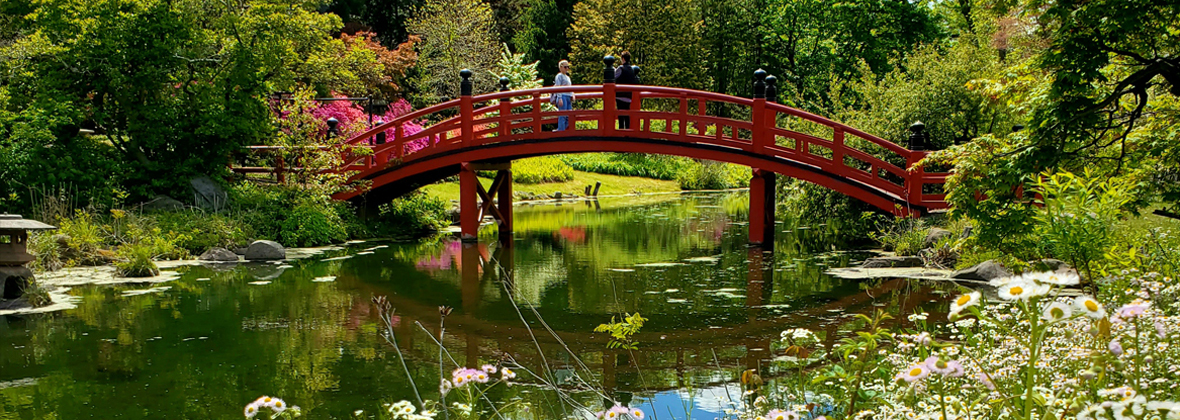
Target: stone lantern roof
[15,222]
[14,239]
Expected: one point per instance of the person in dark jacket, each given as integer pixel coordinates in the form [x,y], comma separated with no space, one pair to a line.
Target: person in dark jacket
[624,75]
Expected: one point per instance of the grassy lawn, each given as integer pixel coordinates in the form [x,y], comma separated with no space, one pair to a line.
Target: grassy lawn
[611,185]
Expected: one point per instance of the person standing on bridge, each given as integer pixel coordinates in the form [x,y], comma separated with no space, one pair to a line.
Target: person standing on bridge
[624,75]
[563,100]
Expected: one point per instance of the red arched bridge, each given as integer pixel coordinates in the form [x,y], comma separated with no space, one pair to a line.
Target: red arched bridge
[486,132]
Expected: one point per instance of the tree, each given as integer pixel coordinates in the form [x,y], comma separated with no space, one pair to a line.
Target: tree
[1109,59]
[731,35]
[813,43]
[360,66]
[455,35]
[1099,90]
[663,36]
[542,34]
[388,19]
[172,85]
[944,87]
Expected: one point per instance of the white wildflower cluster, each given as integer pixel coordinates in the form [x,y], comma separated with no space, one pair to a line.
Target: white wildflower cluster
[1087,362]
[619,412]
[276,405]
[463,377]
[404,410]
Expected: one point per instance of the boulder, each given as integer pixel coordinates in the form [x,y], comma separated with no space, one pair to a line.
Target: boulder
[265,250]
[935,235]
[162,203]
[891,262]
[1050,264]
[13,281]
[218,254]
[984,271]
[63,240]
[207,194]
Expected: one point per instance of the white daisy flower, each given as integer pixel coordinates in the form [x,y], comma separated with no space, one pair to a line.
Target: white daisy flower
[278,405]
[1056,278]
[963,302]
[1022,290]
[1056,311]
[1003,281]
[914,373]
[251,410]
[1089,306]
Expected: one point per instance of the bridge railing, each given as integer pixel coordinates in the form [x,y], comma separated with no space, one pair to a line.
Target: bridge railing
[753,125]
[660,113]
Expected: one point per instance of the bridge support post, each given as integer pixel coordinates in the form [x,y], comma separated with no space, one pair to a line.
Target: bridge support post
[469,212]
[475,201]
[762,202]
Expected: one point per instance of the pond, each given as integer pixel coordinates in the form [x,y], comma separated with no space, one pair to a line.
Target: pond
[307,330]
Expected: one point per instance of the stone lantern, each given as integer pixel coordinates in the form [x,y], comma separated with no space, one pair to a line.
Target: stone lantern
[14,240]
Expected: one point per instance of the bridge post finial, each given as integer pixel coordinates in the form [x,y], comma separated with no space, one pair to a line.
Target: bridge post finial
[759,84]
[504,84]
[465,85]
[771,89]
[608,72]
[918,136]
[333,127]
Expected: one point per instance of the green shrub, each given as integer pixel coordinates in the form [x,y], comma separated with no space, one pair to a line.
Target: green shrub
[135,260]
[312,223]
[36,294]
[202,230]
[902,236]
[709,175]
[540,170]
[86,238]
[292,215]
[412,215]
[44,246]
[629,164]
[1078,219]
[852,220]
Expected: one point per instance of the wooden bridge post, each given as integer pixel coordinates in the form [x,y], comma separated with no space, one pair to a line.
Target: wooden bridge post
[762,188]
[758,113]
[916,174]
[609,113]
[504,203]
[467,114]
[468,208]
[505,110]
[762,202]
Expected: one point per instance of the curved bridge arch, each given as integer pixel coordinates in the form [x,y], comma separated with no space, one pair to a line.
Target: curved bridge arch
[772,137]
[488,131]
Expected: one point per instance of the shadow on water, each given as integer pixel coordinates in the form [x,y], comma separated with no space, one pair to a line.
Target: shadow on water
[221,336]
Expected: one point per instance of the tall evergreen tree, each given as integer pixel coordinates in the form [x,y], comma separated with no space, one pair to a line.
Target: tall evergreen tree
[456,34]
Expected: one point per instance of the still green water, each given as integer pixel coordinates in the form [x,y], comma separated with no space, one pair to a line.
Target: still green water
[307,331]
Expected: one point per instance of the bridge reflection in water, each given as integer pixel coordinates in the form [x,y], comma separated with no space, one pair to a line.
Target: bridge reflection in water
[664,360]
